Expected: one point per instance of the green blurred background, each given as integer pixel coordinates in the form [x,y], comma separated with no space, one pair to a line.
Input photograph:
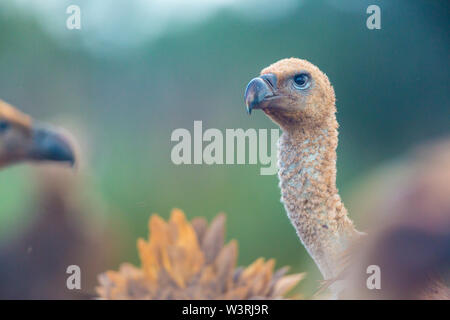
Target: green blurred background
[137,70]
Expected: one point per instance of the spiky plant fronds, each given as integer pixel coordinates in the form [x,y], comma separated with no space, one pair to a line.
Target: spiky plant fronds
[183,260]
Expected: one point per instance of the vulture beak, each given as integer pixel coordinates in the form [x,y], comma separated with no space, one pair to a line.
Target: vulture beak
[50,145]
[259,92]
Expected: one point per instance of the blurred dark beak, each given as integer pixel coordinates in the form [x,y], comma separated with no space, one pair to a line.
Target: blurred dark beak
[50,145]
[259,91]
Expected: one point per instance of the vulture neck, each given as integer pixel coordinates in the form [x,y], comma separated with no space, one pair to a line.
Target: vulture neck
[307,163]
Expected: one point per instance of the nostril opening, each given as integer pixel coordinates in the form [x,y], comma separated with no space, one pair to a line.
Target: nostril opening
[271,79]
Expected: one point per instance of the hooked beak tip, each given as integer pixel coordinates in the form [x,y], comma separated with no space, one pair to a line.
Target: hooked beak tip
[249,110]
[256,93]
[51,145]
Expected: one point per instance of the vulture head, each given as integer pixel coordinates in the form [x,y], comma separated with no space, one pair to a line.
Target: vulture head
[22,139]
[292,92]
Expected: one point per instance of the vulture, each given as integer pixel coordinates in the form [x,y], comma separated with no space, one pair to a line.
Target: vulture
[189,260]
[299,97]
[22,139]
[408,202]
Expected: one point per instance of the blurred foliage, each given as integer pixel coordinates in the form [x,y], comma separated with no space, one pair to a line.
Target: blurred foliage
[391,85]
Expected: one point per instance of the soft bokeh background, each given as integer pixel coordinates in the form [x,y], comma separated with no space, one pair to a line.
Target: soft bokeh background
[139,69]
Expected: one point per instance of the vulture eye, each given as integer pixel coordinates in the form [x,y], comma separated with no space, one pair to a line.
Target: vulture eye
[4,126]
[302,81]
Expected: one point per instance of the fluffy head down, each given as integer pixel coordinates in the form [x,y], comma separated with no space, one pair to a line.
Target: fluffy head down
[295,92]
[15,134]
[14,116]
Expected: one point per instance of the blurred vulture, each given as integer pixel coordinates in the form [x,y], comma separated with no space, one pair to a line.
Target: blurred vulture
[63,227]
[409,201]
[22,139]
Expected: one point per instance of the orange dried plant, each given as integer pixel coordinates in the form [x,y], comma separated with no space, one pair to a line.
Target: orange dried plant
[183,260]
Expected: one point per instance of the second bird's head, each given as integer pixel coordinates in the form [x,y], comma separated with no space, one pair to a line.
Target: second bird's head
[292,92]
[22,139]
